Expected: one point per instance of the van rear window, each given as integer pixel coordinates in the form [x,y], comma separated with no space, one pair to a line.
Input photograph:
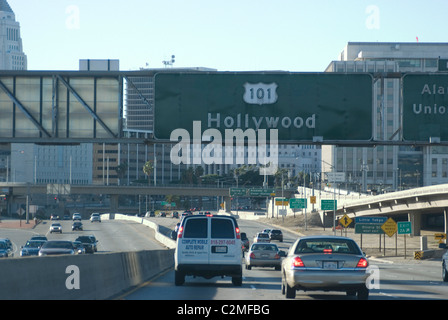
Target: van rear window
[222,229]
[195,228]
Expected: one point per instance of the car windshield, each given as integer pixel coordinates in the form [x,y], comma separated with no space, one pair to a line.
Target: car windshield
[324,245]
[33,244]
[263,235]
[85,239]
[58,245]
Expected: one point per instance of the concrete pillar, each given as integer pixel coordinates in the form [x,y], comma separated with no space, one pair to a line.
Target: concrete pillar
[416,220]
[445,219]
[114,203]
[227,204]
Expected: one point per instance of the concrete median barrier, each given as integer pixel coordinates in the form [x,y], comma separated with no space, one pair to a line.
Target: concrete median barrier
[85,277]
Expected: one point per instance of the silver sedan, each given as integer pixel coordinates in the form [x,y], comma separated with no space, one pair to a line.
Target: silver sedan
[264,255]
[328,263]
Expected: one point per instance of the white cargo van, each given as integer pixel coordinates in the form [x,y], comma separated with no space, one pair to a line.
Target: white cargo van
[208,246]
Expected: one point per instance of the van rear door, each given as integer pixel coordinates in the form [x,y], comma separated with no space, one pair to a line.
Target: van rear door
[225,241]
[193,247]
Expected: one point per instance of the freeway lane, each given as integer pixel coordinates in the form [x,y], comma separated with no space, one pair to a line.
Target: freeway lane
[112,235]
[407,279]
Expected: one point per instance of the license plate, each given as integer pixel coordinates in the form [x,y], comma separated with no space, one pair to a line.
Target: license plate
[219,249]
[330,265]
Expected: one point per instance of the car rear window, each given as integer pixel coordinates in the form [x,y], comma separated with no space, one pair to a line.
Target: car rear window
[195,228]
[327,246]
[222,229]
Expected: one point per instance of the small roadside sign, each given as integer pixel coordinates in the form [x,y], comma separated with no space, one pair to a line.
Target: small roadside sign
[404,227]
[371,219]
[297,203]
[345,221]
[261,192]
[440,236]
[389,227]
[281,201]
[328,204]
[335,176]
[237,192]
[313,199]
[368,228]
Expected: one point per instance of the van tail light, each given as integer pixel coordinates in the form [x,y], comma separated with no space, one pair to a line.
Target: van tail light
[297,263]
[238,235]
[179,232]
[362,263]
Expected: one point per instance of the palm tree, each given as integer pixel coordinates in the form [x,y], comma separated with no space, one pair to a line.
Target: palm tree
[121,171]
[148,169]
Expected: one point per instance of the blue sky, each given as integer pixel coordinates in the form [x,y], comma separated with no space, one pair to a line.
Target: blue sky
[231,35]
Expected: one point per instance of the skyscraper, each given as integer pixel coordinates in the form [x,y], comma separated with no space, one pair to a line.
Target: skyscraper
[12,56]
[388,168]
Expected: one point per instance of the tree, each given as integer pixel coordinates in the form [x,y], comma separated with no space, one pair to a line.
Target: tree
[148,168]
[121,171]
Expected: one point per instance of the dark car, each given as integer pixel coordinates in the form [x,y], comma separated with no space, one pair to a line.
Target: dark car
[56,247]
[88,243]
[244,241]
[39,237]
[31,248]
[77,225]
[276,234]
[4,249]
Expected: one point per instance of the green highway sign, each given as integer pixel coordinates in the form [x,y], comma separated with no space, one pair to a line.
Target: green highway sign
[260,192]
[425,107]
[301,106]
[328,204]
[404,227]
[235,192]
[297,203]
[370,228]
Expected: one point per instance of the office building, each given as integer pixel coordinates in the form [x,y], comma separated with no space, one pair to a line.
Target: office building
[12,56]
[388,168]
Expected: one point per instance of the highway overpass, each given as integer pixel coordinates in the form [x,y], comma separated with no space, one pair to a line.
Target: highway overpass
[22,189]
[415,203]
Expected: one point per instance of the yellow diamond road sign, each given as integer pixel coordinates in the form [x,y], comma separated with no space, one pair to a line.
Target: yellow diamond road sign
[345,221]
[440,237]
[389,227]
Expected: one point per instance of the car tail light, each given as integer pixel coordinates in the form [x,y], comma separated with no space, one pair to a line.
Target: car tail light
[328,251]
[179,232]
[297,263]
[252,255]
[238,235]
[277,256]
[362,263]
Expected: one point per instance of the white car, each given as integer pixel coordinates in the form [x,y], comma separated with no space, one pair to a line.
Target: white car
[76,216]
[208,246]
[56,227]
[95,217]
[262,237]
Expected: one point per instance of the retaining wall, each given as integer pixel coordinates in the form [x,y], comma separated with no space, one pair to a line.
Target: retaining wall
[83,277]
